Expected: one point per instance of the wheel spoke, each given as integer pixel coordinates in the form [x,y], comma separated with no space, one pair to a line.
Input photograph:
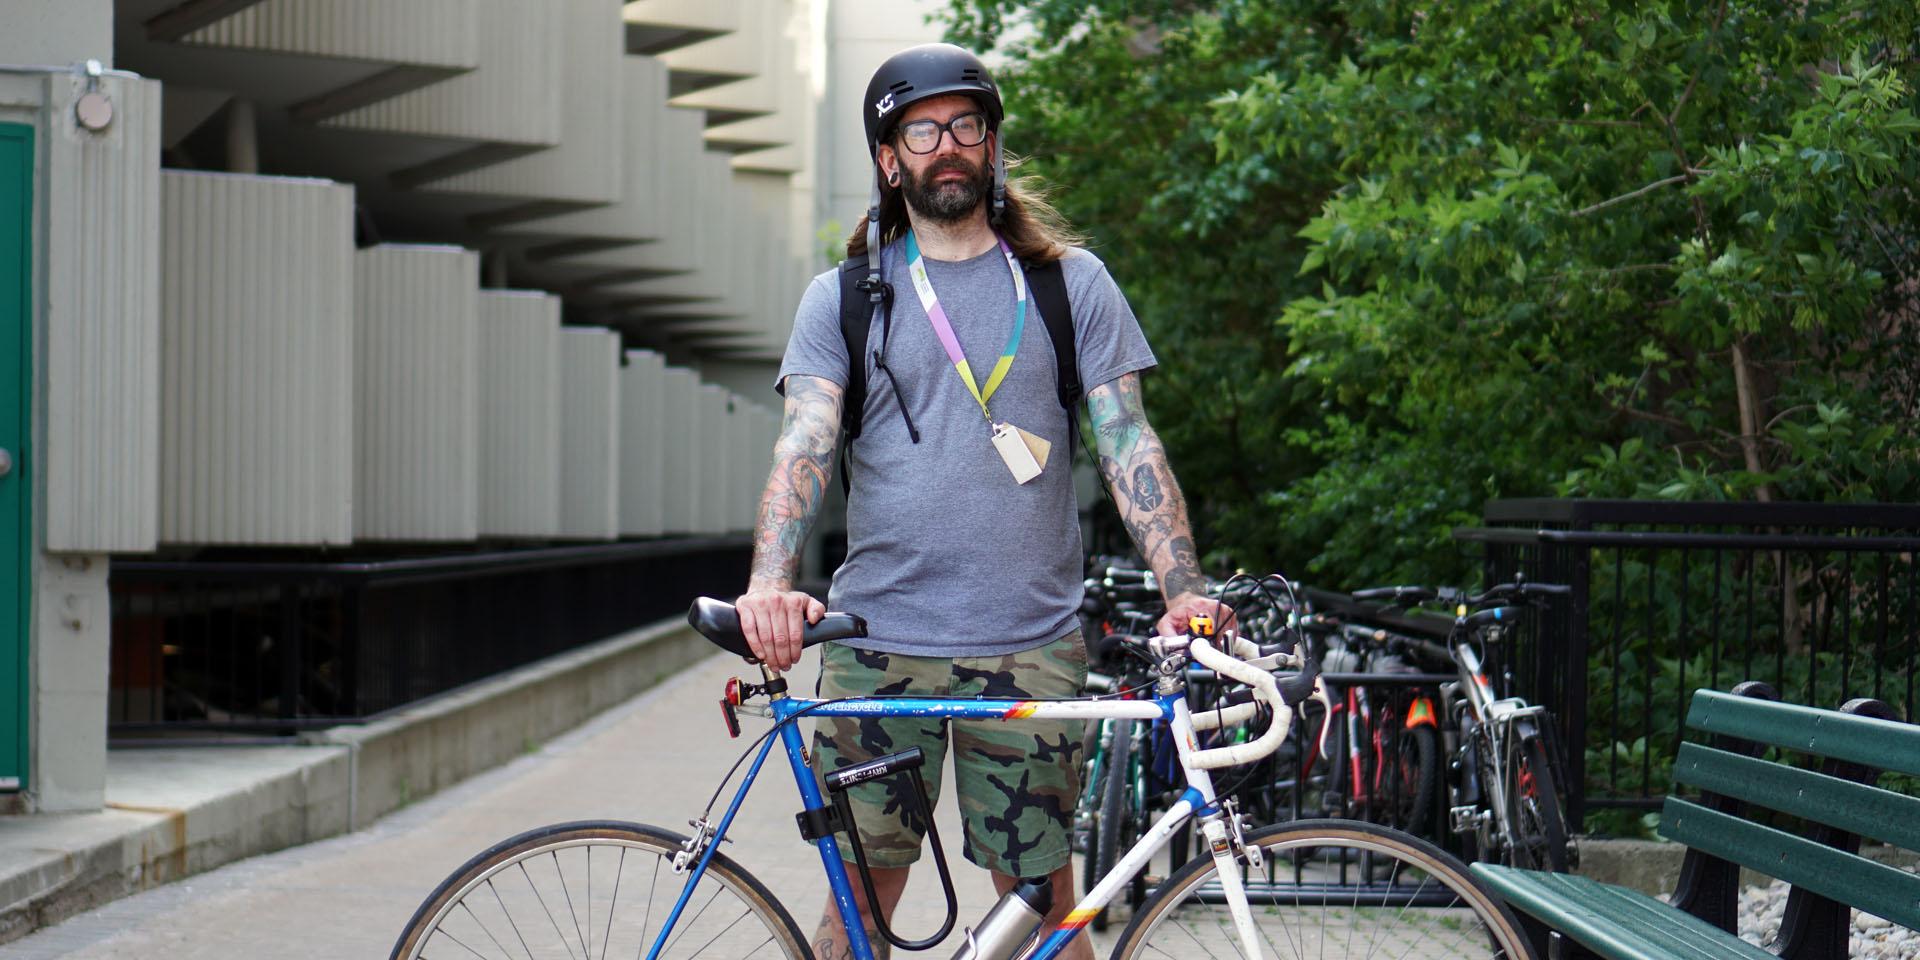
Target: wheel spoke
[686,924]
[1386,889]
[585,952]
[1400,917]
[483,929]
[614,907]
[469,907]
[1196,940]
[537,895]
[1154,946]
[461,944]
[1228,933]
[758,947]
[509,915]
[653,893]
[722,933]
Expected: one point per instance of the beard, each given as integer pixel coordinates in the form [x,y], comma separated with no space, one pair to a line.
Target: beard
[952,200]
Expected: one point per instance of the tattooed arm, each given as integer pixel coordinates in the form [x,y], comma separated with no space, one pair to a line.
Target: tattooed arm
[772,613]
[1135,467]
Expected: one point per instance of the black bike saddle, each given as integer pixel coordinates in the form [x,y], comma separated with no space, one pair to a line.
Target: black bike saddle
[719,622]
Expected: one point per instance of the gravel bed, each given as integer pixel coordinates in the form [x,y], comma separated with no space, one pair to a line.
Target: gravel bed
[1872,937]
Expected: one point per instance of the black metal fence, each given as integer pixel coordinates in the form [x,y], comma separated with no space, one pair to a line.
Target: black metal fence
[1820,600]
[246,645]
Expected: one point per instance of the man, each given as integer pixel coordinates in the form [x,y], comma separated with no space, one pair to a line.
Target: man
[964,562]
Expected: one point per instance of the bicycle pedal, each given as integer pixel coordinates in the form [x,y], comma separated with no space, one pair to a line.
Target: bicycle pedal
[1467,819]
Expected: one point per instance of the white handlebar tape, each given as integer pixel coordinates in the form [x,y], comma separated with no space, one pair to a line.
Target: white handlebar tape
[1265,690]
[1213,719]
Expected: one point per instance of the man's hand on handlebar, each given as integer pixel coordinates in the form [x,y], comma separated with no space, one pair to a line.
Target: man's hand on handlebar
[773,621]
[1186,606]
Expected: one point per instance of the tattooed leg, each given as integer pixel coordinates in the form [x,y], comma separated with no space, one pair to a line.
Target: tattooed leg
[830,939]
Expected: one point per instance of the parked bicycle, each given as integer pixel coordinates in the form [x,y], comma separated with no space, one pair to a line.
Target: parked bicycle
[1117,797]
[597,889]
[1507,799]
[1381,739]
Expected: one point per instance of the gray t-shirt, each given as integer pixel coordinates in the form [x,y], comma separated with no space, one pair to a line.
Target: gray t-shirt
[947,556]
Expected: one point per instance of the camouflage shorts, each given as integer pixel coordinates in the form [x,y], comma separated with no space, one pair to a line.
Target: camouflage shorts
[1018,779]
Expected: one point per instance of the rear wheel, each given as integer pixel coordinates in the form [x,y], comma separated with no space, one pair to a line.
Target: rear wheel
[1330,888]
[597,889]
[1533,799]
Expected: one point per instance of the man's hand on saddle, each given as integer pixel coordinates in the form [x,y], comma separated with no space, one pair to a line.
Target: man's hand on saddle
[1183,608]
[774,622]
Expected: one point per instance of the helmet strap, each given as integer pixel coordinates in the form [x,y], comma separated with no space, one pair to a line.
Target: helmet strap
[999,182]
[873,233]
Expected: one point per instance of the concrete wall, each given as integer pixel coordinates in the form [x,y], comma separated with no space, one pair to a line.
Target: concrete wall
[57,32]
[68,627]
[197,330]
[860,35]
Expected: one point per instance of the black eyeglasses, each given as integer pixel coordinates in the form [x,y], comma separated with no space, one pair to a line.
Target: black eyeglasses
[923,136]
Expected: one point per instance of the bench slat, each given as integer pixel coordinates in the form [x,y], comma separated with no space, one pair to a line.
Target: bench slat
[1873,887]
[1854,807]
[1881,744]
[1614,922]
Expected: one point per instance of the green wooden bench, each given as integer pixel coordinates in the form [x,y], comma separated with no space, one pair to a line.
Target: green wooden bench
[1799,823]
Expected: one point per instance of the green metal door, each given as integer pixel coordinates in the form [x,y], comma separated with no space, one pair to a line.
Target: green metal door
[16,426]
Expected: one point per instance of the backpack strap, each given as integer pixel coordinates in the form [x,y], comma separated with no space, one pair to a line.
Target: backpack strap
[856,317]
[861,293]
[1049,286]
[858,300]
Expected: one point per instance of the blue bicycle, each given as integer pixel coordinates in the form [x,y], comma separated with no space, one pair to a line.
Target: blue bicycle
[1311,888]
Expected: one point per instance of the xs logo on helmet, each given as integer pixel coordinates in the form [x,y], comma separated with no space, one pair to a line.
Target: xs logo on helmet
[885,104]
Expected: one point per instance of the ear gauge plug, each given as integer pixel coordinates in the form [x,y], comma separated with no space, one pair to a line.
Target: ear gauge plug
[893,180]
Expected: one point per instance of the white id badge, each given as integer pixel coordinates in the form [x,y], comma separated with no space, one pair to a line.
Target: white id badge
[1013,449]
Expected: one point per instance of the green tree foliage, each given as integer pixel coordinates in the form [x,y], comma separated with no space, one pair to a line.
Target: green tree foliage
[1398,258]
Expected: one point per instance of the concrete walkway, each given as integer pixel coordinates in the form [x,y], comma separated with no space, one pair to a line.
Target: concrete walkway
[655,759]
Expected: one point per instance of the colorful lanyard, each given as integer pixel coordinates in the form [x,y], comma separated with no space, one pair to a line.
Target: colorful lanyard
[917,265]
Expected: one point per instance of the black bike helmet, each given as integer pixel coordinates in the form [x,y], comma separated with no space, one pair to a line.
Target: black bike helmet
[912,75]
[918,73]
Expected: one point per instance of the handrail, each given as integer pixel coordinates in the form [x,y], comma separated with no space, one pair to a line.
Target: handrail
[1721,541]
[1581,513]
[422,569]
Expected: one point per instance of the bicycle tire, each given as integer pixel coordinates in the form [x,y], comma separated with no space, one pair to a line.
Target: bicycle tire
[1539,823]
[1139,808]
[1337,799]
[1087,814]
[1429,905]
[522,902]
[1414,763]
[1114,813]
[1488,838]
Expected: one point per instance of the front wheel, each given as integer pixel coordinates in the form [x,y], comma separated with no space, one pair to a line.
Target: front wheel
[596,889]
[1330,888]
[1409,775]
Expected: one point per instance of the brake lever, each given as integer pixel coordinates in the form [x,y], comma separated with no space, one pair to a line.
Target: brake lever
[1298,690]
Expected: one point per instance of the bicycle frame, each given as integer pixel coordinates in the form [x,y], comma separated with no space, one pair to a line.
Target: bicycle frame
[1496,717]
[1197,800]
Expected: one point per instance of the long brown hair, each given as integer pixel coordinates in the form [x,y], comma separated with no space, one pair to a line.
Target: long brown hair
[1032,227]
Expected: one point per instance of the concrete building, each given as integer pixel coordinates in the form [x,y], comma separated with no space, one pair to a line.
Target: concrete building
[303,293]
